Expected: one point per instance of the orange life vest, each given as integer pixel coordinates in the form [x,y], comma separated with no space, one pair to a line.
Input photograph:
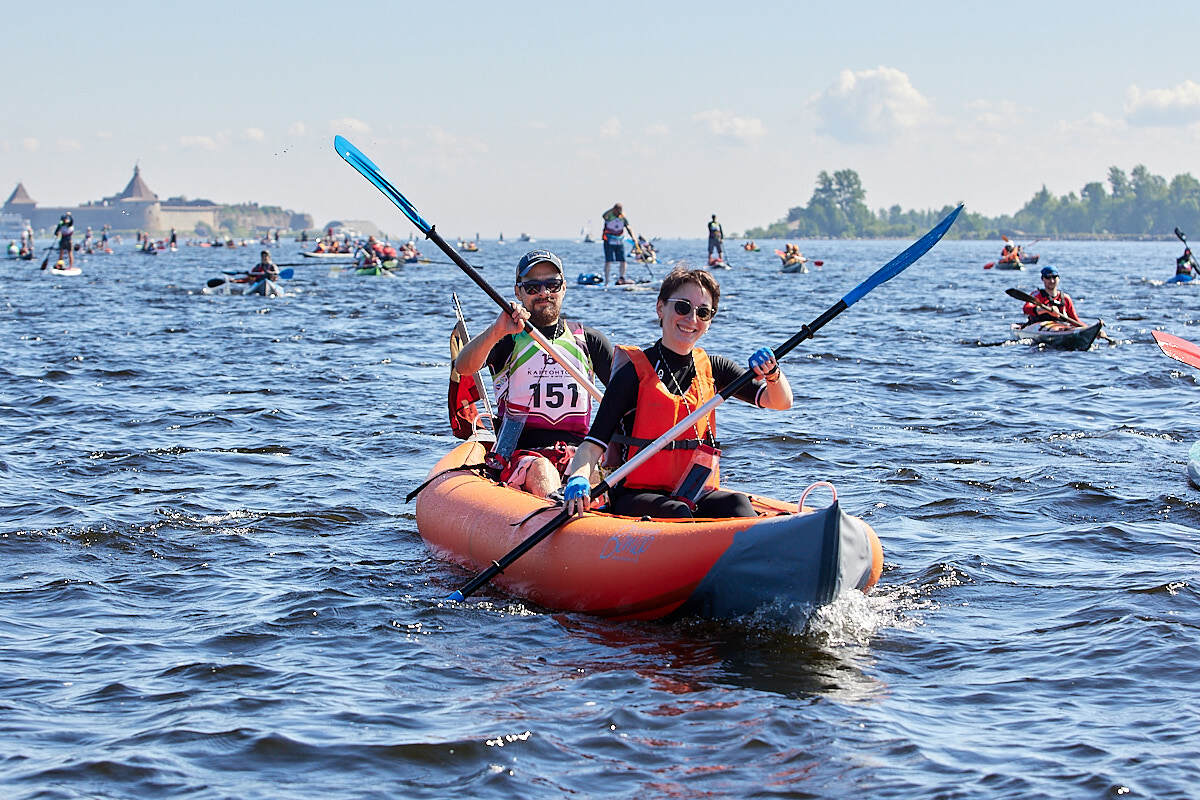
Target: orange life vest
[657,412]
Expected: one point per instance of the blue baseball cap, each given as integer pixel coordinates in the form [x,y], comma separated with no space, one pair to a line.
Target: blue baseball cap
[1049,272]
[535,257]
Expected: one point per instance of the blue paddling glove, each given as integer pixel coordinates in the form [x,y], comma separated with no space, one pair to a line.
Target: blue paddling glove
[760,357]
[576,489]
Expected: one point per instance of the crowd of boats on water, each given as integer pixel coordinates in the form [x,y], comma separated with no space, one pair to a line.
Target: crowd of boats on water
[1051,319]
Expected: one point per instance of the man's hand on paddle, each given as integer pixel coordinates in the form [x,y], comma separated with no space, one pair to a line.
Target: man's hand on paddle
[511,321]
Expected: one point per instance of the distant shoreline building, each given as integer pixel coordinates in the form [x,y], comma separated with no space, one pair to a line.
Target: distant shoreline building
[134,208]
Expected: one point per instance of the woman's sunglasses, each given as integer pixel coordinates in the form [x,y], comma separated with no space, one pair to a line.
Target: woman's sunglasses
[684,307]
[551,285]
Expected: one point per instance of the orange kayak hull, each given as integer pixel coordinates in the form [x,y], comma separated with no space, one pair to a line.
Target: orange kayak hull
[630,568]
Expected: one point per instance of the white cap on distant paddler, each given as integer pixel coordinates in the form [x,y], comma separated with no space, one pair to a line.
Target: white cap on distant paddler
[535,257]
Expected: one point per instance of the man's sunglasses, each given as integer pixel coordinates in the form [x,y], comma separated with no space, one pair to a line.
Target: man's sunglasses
[551,285]
[684,307]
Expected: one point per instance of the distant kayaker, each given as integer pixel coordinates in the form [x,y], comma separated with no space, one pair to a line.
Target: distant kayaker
[174,238]
[265,268]
[538,400]
[1186,263]
[1051,295]
[614,242]
[654,388]
[64,231]
[792,255]
[716,240]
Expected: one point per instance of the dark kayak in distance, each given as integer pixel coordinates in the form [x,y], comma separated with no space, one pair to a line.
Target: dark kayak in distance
[1012,265]
[1059,335]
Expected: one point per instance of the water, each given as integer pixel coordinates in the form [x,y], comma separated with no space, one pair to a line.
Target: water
[214,588]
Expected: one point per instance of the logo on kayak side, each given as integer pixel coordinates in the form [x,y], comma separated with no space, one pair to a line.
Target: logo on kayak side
[621,547]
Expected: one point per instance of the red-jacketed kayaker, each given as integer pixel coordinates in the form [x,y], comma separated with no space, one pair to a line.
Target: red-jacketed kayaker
[1053,297]
[544,412]
[654,388]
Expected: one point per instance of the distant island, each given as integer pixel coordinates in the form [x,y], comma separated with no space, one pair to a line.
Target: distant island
[137,208]
[1140,205]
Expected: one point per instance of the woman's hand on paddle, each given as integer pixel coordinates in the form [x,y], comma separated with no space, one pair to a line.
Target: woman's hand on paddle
[577,495]
[763,362]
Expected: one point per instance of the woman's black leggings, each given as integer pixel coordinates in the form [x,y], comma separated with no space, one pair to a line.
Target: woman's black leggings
[717,503]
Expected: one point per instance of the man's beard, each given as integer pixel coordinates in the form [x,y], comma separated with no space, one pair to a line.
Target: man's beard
[544,315]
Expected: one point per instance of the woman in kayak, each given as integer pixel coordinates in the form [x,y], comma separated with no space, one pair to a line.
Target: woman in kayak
[1186,263]
[656,387]
[1050,295]
[265,268]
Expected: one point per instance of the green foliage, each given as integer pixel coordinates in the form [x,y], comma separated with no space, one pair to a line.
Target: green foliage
[1137,204]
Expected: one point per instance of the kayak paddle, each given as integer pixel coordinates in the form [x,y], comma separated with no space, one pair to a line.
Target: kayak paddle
[884,273]
[1176,348]
[355,158]
[284,274]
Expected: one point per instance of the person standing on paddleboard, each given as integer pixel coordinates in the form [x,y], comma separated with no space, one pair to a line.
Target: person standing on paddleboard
[543,411]
[64,230]
[716,240]
[1051,295]
[654,388]
[614,242]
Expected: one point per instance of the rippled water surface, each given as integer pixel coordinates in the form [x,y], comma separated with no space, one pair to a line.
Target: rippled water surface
[213,587]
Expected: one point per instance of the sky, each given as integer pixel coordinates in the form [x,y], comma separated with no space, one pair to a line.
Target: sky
[537,116]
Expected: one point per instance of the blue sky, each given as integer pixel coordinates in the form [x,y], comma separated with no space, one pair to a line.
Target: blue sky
[536,116]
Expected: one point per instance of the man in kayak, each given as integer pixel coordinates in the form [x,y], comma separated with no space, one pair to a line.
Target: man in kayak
[716,240]
[1050,295]
[654,388]
[64,231]
[614,242]
[1186,263]
[544,412]
[1010,254]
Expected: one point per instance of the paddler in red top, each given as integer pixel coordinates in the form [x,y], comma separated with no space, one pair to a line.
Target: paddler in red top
[651,390]
[1051,296]
[544,412]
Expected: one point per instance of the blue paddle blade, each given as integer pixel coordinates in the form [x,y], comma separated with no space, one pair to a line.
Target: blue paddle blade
[286,273]
[355,158]
[904,260]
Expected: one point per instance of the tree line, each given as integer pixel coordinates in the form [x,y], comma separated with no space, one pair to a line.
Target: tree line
[1137,205]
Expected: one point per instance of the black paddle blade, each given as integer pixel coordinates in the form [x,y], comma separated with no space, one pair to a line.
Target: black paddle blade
[1182,238]
[1019,295]
[215,282]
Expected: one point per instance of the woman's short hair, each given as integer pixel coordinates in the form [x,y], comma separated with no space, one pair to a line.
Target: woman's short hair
[681,275]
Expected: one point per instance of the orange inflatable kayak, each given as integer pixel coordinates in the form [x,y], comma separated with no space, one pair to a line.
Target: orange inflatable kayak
[783,562]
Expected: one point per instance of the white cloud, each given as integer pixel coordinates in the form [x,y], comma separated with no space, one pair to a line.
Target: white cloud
[68,145]
[1179,105]
[611,128]
[728,125]
[450,144]
[870,105]
[198,142]
[31,144]
[105,135]
[256,134]
[658,129]
[537,124]
[296,129]
[349,125]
